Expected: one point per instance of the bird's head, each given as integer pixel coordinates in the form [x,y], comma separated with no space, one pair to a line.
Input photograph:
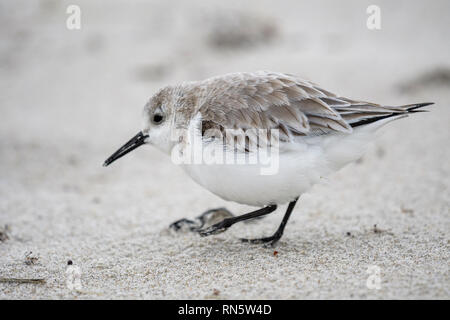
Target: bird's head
[158,124]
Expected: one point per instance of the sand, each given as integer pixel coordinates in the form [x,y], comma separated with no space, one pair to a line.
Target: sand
[70,98]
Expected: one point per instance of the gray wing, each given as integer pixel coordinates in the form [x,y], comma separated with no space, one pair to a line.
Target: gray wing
[296,107]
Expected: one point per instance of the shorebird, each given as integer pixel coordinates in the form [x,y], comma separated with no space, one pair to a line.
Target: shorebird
[316,133]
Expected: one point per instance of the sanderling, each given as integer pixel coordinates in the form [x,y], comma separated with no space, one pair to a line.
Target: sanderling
[317,133]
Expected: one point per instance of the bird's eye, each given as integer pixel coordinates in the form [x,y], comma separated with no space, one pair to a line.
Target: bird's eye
[157,118]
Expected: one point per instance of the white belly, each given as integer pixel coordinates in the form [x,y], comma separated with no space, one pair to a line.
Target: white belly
[300,166]
[244,183]
[258,185]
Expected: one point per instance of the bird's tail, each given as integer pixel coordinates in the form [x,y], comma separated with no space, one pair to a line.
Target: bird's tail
[342,149]
[392,113]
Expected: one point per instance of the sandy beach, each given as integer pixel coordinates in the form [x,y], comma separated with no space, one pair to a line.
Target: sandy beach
[69,98]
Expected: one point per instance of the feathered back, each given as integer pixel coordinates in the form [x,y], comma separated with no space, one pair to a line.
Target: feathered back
[268,100]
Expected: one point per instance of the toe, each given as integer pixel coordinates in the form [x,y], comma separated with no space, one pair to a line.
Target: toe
[215,229]
[182,224]
[210,231]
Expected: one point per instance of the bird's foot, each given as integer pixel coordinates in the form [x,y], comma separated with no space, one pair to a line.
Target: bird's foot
[184,224]
[268,241]
[207,218]
[216,228]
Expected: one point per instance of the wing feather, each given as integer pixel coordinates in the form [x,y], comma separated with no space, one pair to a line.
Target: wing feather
[267,100]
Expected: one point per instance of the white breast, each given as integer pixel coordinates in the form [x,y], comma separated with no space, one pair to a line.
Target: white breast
[278,182]
[300,165]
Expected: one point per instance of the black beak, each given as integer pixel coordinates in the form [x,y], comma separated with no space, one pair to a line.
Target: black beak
[137,141]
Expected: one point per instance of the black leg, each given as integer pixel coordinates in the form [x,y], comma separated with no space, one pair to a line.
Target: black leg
[277,235]
[228,222]
[207,217]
